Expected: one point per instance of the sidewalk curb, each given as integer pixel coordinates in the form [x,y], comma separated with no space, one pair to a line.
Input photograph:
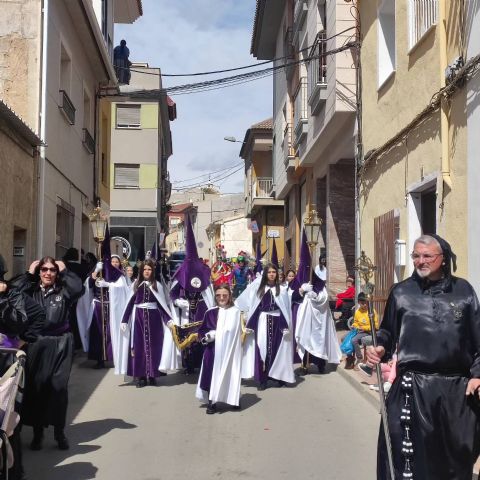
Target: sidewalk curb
[374,401]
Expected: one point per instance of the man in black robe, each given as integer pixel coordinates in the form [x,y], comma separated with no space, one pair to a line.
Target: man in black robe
[432,320]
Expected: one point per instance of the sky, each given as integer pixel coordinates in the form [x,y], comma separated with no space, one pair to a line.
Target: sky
[187,36]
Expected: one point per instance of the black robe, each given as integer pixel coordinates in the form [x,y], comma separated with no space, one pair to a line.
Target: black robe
[435,327]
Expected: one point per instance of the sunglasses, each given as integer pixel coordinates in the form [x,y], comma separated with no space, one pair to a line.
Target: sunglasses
[47,269]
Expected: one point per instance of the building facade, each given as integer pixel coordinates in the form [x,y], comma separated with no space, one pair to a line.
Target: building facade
[264,211]
[140,147]
[313,122]
[414,177]
[58,56]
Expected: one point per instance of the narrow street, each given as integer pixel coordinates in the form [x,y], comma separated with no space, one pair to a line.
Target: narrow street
[322,428]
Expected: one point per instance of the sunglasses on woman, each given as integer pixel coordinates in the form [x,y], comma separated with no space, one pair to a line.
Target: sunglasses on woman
[48,269]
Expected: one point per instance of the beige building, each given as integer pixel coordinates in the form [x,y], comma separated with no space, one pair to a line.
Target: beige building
[18,184]
[264,211]
[415,173]
[57,54]
[313,122]
[140,147]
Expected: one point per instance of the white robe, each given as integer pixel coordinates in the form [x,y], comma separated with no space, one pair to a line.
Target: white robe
[282,366]
[226,375]
[171,357]
[118,294]
[315,330]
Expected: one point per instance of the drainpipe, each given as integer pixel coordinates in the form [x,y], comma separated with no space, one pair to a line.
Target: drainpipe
[444,133]
[43,118]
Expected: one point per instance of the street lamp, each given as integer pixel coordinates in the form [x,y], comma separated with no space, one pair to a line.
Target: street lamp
[312,223]
[232,139]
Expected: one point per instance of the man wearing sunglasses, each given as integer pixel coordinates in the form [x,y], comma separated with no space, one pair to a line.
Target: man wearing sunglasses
[432,320]
[49,359]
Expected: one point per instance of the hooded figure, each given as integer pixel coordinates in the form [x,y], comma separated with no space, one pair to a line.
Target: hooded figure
[258,258]
[192,296]
[432,321]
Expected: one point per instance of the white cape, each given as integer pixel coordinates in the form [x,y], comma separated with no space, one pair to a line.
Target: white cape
[226,375]
[171,356]
[282,367]
[315,330]
[118,294]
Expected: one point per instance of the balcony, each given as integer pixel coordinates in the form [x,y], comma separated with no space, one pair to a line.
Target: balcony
[66,107]
[263,187]
[317,74]
[88,141]
[300,115]
[288,52]
[288,150]
[299,16]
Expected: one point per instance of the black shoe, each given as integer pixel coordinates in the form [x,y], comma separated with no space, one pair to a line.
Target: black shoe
[152,381]
[322,366]
[62,440]
[262,387]
[141,382]
[280,383]
[211,408]
[365,369]
[237,407]
[189,371]
[162,374]
[99,365]
[37,442]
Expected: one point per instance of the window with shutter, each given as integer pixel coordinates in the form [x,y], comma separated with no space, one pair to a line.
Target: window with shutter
[127,176]
[128,116]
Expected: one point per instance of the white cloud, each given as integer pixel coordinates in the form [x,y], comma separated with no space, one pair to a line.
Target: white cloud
[201,35]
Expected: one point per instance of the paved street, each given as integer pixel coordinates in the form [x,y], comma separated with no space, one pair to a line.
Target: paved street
[322,428]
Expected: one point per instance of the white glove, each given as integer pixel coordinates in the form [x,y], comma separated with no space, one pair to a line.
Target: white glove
[210,336]
[181,303]
[387,386]
[170,324]
[98,267]
[311,295]
[248,331]
[285,331]
[258,274]
[102,283]
[306,287]
[123,327]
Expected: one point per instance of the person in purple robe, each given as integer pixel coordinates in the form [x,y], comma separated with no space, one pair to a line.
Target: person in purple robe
[221,333]
[268,350]
[147,314]
[191,294]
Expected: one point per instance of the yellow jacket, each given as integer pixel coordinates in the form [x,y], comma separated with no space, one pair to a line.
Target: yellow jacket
[362,322]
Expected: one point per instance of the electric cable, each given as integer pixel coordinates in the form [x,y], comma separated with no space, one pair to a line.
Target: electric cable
[207,174]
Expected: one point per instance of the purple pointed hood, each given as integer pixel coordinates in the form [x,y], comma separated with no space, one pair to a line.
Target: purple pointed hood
[193,275]
[274,255]
[258,258]
[110,273]
[303,272]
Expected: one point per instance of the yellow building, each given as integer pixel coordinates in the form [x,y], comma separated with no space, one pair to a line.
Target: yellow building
[413,179]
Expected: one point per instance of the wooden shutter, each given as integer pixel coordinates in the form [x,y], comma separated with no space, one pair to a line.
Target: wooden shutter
[385,227]
[128,116]
[126,176]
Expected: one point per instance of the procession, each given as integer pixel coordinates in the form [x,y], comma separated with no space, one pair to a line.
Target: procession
[239,239]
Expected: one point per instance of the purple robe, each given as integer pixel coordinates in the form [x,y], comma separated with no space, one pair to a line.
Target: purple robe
[209,323]
[147,342]
[100,341]
[198,307]
[275,327]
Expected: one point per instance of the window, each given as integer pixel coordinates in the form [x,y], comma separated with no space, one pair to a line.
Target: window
[65,70]
[65,228]
[128,116]
[386,41]
[422,15]
[127,176]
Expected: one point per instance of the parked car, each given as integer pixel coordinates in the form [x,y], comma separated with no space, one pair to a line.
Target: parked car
[174,261]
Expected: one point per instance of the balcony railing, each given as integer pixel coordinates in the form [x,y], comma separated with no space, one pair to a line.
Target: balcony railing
[263,187]
[66,106]
[423,14]
[288,150]
[288,51]
[299,16]
[88,141]
[317,73]
[300,114]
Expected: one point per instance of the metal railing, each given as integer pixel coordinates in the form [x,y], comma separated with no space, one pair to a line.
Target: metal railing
[300,114]
[317,68]
[88,141]
[288,150]
[423,14]
[263,187]
[66,106]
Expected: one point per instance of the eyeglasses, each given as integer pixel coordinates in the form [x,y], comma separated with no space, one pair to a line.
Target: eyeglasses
[427,258]
[47,269]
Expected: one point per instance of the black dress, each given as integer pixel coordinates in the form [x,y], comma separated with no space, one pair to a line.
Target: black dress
[49,359]
[434,427]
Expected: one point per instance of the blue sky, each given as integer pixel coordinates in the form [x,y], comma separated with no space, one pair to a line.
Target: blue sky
[185,36]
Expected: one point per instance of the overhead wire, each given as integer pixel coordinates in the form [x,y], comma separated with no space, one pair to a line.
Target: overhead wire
[189,187]
[207,174]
